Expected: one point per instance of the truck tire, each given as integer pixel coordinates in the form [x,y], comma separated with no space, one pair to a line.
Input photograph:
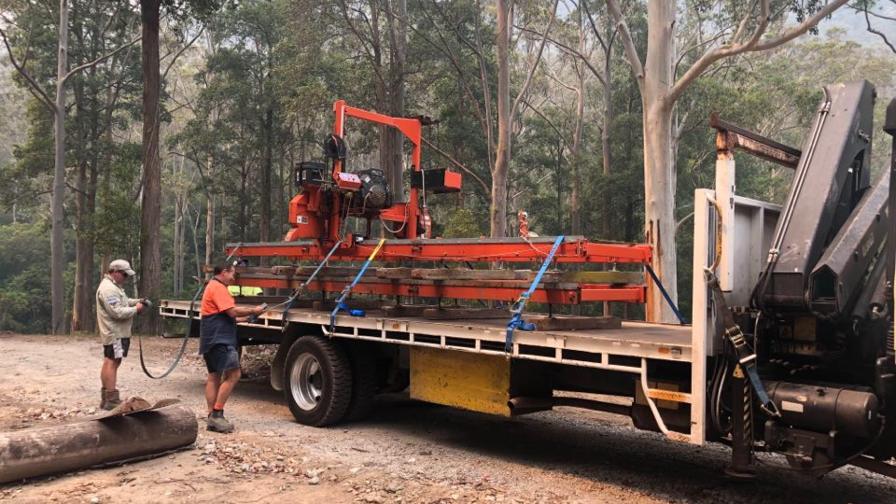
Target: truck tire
[364,383]
[317,381]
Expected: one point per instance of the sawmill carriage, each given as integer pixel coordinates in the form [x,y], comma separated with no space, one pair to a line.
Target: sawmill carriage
[790,349]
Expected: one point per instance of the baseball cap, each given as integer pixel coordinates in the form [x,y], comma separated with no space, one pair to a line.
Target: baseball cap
[122,265]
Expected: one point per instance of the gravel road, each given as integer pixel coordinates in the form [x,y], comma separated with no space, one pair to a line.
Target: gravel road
[406,452]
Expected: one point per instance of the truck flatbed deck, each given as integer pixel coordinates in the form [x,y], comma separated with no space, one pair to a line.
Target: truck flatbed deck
[588,347]
[634,349]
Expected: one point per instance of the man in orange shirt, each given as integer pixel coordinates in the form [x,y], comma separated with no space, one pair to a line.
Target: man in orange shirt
[218,342]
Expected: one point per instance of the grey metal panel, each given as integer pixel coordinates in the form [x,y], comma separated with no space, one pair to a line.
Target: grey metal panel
[831,177]
[753,229]
[835,282]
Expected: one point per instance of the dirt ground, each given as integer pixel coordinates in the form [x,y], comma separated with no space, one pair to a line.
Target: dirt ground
[406,452]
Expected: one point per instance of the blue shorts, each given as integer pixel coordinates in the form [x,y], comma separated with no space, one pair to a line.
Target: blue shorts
[221,358]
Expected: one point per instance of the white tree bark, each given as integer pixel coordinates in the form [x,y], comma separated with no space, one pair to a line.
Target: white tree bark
[659,92]
[659,165]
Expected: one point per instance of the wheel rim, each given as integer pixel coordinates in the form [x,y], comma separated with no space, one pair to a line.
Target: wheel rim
[306,382]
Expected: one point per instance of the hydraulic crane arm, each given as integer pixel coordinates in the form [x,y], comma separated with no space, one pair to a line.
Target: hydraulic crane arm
[831,178]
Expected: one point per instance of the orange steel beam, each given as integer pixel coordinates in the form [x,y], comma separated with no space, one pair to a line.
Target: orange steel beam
[410,128]
[584,293]
[572,250]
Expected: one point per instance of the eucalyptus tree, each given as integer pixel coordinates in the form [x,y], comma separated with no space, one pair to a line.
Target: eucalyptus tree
[723,30]
[57,107]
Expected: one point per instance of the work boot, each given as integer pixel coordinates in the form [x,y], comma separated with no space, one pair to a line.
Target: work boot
[110,399]
[217,423]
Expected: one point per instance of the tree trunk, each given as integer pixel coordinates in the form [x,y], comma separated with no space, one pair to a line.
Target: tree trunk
[88,319]
[196,260]
[560,178]
[264,228]
[209,228]
[177,249]
[659,161]
[397,15]
[245,201]
[85,205]
[209,216]
[150,218]
[57,252]
[79,300]
[498,210]
[574,154]
[607,200]
[81,141]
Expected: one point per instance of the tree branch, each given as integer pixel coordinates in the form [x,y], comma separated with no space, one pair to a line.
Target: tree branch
[872,13]
[628,44]
[528,81]
[694,47]
[99,60]
[594,29]
[553,126]
[569,50]
[801,28]
[879,34]
[180,52]
[33,87]
[754,44]
[556,79]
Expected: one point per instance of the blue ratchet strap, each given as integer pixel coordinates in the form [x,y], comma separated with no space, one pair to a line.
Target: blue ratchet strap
[745,356]
[340,303]
[516,321]
[303,285]
[672,304]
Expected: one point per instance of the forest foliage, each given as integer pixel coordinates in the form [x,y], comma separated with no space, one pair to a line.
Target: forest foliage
[248,91]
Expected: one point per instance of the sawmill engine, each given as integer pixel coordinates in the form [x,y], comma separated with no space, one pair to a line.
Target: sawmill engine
[374,194]
[366,193]
[329,193]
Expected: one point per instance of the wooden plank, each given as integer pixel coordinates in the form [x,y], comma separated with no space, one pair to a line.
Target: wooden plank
[572,322]
[405,310]
[452,274]
[603,277]
[393,273]
[369,278]
[302,303]
[465,313]
[331,271]
[363,304]
[480,275]
[591,277]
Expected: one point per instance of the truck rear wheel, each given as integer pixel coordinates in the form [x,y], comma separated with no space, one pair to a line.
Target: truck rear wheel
[364,383]
[318,381]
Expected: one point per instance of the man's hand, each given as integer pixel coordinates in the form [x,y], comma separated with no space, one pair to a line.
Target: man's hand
[140,307]
[258,310]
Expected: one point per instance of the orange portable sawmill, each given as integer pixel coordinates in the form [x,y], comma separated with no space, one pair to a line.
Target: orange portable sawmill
[329,195]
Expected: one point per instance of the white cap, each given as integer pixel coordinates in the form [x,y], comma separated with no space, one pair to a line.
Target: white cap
[122,265]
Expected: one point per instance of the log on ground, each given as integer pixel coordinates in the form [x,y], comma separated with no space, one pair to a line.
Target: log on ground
[42,451]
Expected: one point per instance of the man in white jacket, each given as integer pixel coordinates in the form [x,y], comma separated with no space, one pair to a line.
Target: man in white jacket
[114,314]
